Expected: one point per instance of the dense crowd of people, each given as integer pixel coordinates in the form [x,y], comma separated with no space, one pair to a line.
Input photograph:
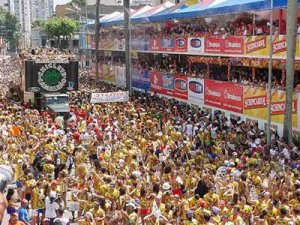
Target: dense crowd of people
[217,27]
[151,161]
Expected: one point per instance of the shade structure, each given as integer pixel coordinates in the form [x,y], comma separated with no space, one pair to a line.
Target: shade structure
[144,17]
[168,14]
[110,16]
[219,7]
[197,10]
[119,20]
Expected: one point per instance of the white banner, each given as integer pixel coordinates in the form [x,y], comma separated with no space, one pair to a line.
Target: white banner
[196,91]
[120,76]
[195,44]
[120,96]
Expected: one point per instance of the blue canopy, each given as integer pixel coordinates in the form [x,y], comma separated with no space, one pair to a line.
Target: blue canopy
[237,6]
[167,14]
[196,10]
[144,17]
[218,7]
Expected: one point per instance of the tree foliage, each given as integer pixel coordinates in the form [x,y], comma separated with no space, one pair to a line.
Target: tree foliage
[38,23]
[9,29]
[61,28]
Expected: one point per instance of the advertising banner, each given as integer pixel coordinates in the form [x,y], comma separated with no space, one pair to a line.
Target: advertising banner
[140,44]
[195,45]
[155,44]
[167,44]
[213,93]
[120,96]
[196,91]
[224,95]
[180,45]
[234,45]
[120,76]
[214,45]
[180,87]
[140,79]
[162,83]
[109,73]
[51,75]
[232,97]
[255,104]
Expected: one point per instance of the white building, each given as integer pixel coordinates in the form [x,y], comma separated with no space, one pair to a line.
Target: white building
[22,12]
[41,9]
[7,5]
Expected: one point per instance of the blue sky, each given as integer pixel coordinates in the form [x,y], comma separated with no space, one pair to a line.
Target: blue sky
[58,2]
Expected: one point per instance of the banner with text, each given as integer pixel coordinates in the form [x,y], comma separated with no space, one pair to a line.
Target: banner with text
[195,45]
[255,104]
[162,83]
[223,95]
[140,78]
[120,96]
[180,87]
[196,91]
[120,76]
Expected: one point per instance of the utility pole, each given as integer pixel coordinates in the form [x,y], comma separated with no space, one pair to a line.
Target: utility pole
[291,30]
[126,6]
[97,36]
[269,93]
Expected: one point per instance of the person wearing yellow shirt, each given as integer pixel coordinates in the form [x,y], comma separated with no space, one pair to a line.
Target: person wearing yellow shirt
[194,202]
[38,201]
[98,213]
[189,219]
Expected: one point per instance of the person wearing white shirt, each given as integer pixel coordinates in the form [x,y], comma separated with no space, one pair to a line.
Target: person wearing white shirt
[51,206]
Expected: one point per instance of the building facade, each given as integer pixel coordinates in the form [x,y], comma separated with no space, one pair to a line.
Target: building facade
[7,5]
[41,9]
[22,12]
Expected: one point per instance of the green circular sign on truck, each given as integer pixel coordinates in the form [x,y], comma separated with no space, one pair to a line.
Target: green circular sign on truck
[52,77]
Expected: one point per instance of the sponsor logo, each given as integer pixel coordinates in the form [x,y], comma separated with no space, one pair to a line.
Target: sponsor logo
[168,82]
[213,44]
[52,77]
[278,108]
[230,44]
[213,93]
[255,102]
[279,46]
[155,80]
[233,97]
[180,42]
[180,84]
[196,43]
[256,45]
[196,87]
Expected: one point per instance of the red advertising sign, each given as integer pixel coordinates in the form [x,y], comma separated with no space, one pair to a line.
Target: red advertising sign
[155,44]
[232,97]
[162,83]
[181,87]
[214,45]
[279,46]
[180,44]
[223,95]
[213,93]
[234,45]
[255,102]
[278,108]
